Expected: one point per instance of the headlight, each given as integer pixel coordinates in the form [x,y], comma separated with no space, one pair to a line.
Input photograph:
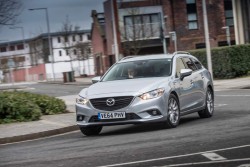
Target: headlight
[152,94]
[81,100]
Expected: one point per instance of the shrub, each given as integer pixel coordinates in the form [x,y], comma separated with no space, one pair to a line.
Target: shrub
[228,62]
[24,106]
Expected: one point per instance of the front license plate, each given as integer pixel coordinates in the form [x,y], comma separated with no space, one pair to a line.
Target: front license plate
[111,115]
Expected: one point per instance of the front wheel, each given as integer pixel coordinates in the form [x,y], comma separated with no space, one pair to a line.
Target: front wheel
[209,109]
[173,115]
[91,130]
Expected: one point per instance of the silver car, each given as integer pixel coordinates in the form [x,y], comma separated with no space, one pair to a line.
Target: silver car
[144,89]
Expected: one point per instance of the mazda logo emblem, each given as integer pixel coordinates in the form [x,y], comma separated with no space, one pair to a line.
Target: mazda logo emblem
[110,101]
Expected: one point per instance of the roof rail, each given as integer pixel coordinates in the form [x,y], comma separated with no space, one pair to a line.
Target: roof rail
[180,52]
[127,57]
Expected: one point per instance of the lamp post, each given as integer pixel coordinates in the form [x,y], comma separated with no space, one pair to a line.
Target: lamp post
[228,35]
[174,38]
[26,61]
[49,38]
[163,34]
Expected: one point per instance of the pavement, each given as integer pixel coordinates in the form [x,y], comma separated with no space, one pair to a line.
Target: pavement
[50,125]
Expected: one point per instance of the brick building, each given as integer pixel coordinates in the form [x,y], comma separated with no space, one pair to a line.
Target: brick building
[137,27]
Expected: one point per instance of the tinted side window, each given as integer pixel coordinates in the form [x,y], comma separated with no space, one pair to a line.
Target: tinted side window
[179,66]
[189,64]
[197,63]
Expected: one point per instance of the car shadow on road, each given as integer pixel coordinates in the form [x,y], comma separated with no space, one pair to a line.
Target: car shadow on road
[142,128]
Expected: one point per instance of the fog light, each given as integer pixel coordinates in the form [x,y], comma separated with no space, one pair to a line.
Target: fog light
[80,117]
[154,112]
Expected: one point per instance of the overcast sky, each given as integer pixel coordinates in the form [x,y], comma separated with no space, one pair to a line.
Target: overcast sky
[34,22]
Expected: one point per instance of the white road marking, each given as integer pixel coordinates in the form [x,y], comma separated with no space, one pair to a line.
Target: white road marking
[220,105]
[213,156]
[208,162]
[244,165]
[233,95]
[178,156]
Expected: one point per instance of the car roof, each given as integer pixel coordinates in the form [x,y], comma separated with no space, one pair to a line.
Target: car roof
[145,57]
[148,57]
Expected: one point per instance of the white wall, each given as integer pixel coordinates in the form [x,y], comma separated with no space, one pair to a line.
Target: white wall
[86,67]
[59,46]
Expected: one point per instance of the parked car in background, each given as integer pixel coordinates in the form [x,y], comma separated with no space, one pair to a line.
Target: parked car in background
[143,89]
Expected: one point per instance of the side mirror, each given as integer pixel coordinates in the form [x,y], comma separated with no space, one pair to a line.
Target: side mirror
[184,73]
[96,79]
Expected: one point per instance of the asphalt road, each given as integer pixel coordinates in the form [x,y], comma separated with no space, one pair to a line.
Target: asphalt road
[223,140]
[55,90]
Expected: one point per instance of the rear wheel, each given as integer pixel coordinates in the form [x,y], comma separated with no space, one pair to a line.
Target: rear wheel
[173,117]
[209,109]
[91,130]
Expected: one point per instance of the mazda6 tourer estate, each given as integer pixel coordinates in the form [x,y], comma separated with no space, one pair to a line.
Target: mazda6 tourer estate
[145,89]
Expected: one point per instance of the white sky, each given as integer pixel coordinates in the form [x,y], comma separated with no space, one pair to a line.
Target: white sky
[34,22]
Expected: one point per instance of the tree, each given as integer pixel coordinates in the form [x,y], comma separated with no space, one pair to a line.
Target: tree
[9,10]
[84,50]
[39,51]
[137,29]
[68,30]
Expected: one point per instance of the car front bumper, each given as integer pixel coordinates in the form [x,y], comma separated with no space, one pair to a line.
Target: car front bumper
[139,111]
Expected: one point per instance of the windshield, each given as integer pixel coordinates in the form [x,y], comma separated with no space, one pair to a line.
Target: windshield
[139,69]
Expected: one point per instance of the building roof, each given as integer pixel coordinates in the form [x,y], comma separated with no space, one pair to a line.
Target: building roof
[43,36]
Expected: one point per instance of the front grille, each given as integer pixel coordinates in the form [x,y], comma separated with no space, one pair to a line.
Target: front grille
[129,116]
[120,102]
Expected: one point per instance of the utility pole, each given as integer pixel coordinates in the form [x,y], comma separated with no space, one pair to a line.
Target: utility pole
[208,49]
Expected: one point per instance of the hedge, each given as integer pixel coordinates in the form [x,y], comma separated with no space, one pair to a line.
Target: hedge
[23,106]
[227,62]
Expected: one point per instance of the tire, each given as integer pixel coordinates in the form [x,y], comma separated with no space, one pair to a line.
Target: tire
[91,130]
[209,109]
[173,115]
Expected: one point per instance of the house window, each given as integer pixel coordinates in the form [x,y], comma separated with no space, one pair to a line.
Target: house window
[74,51]
[12,48]
[3,49]
[67,52]
[65,39]
[200,45]
[73,38]
[60,53]
[89,37]
[192,14]
[142,26]
[20,47]
[80,37]
[59,39]
[228,12]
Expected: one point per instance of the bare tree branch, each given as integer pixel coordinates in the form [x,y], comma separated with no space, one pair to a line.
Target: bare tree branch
[68,30]
[9,10]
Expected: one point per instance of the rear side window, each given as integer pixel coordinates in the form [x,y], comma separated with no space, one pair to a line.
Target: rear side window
[189,64]
[197,63]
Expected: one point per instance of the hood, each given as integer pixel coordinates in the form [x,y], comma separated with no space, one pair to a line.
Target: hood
[122,87]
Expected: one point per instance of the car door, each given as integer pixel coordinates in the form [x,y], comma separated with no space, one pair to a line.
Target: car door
[200,82]
[185,87]
[196,98]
